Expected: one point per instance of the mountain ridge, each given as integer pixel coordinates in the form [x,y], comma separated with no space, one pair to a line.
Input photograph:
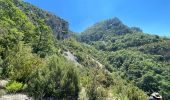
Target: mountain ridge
[57,24]
[111,26]
[41,57]
[123,50]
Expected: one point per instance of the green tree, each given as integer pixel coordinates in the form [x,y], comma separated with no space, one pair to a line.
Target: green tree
[44,41]
[20,63]
[57,79]
[149,83]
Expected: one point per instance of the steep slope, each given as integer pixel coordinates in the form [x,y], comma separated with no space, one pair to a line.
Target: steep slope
[139,57]
[112,27]
[16,26]
[29,56]
[57,24]
[105,79]
[32,47]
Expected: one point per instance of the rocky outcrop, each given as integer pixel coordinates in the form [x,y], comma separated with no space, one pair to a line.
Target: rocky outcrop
[71,57]
[3,83]
[59,26]
[15,97]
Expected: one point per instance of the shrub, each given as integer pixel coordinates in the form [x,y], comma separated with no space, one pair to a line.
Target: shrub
[14,87]
[58,79]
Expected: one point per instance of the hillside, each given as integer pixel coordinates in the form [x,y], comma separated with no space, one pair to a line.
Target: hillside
[58,25]
[41,59]
[107,28]
[140,57]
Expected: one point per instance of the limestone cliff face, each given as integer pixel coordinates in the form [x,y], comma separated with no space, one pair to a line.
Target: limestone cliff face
[59,26]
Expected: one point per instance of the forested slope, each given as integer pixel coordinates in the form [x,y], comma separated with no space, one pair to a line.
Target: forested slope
[39,57]
[140,57]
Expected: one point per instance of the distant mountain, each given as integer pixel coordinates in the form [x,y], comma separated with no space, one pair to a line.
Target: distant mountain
[140,57]
[40,57]
[108,27]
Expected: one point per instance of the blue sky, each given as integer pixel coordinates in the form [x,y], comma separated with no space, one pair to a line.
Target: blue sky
[152,16]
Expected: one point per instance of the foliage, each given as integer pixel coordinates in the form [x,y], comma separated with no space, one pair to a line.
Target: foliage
[138,57]
[97,84]
[58,79]
[113,60]
[102,29]
[162,48]
[20,63]
[14,87]
[125,91]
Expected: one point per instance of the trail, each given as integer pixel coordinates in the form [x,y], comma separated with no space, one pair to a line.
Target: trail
[15,97]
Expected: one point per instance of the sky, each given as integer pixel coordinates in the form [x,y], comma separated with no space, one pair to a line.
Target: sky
[152,16]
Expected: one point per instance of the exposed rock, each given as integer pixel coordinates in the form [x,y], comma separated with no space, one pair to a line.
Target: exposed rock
[59,26]
[71,57]
[3,83]
[2,92]
[15,97]
[97,63]
[83,94]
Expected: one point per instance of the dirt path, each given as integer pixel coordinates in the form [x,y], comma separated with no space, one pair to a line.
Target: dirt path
[15,97]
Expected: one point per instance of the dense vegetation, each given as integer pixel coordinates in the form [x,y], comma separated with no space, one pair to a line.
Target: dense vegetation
[29,56]
[40,57]
[140,58]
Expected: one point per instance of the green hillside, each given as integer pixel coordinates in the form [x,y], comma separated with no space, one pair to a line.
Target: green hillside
[139,57]
[41,58]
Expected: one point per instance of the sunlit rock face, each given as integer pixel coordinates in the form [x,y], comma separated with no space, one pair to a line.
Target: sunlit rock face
[59,26]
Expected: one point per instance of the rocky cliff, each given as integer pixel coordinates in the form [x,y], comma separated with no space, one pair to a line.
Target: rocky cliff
[59,26]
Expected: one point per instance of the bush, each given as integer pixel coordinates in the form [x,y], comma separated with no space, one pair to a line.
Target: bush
[14,87]
[58,79]
[20,63]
